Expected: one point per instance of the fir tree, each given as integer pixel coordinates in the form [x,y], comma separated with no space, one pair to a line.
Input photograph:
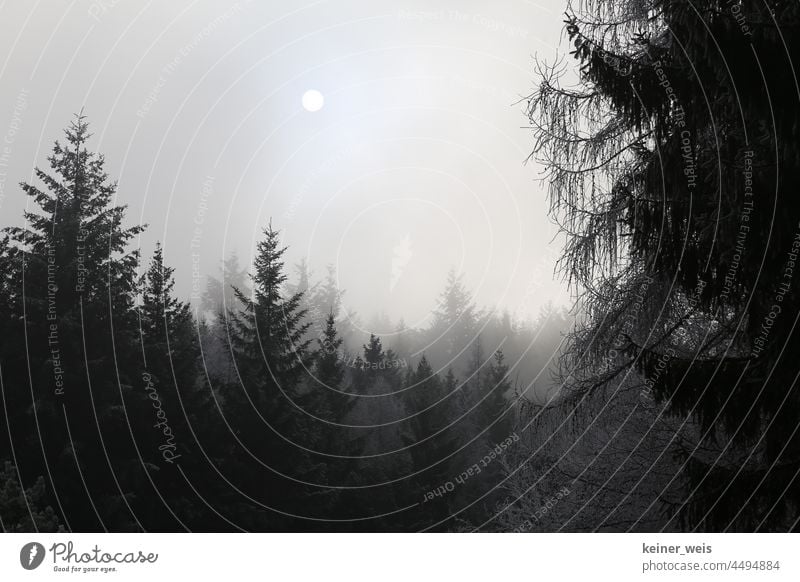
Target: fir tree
[267,332]
[71,287]
[430,438]
[265,406]
[327,296]
[218,297]
[455,318]
[667,198]
[373,353]
[494,406]
[162,313]
[328,365]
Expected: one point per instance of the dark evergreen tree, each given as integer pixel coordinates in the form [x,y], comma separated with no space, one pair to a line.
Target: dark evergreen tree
[267,333]
[264,406]
[450,381]
[329,399]
[328,365]
[495,406]
[190,429]
[216,304]
[476,366]
[167,325]
[327,396]
[374,355]
[430,438]
[681,215]
[71,289]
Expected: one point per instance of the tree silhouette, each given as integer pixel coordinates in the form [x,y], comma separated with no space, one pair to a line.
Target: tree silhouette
[72,285]
[679,214]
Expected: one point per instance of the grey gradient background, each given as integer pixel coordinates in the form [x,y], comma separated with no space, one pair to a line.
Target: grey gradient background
[414,165]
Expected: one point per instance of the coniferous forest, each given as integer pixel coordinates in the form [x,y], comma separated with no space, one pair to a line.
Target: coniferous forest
[664,398]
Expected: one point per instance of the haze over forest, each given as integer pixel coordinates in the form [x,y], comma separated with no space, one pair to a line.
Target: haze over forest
[413,166]
[289,268]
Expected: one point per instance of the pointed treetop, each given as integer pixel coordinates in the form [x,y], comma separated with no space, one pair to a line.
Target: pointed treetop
[373,351]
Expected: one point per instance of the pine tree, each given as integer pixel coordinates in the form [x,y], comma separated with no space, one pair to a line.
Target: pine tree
[430,439]
[267,333]
[668,199]
[326,395]
[171,361]
[303,286]
[455,318]
[476,374]
[304,276]
[495,405]
[264,406]
[401,343]
[327,296]
[328,365]
[217,303]
[450,382]
[476,367]
[373,353]
[71,286]
[329,400]
[369,366]
[218,297]
[162,313]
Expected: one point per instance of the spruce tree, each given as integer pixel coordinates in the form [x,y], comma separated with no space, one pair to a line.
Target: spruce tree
[327,296]
[328,365]
[495,405]
[163,316]
[430,439]
[327,385]
[218,296]
[171,360]
[264,407]
[374,355]
[680,217]
[267,333]
[71,288]
[455,318]
[328,399]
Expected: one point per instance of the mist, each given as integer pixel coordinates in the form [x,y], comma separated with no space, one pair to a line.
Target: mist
[281,267]
[414,165]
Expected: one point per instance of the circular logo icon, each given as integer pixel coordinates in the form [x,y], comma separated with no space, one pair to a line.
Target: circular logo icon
[31,555]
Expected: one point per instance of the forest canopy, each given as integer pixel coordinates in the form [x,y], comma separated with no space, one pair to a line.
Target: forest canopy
[261,407]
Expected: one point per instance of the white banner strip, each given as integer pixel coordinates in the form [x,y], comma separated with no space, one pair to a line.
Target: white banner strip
[400,557]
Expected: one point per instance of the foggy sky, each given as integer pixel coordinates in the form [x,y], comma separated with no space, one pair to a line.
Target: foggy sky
[413,166]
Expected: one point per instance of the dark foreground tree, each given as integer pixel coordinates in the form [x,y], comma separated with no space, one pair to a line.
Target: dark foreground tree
[673,168]
[69,356]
